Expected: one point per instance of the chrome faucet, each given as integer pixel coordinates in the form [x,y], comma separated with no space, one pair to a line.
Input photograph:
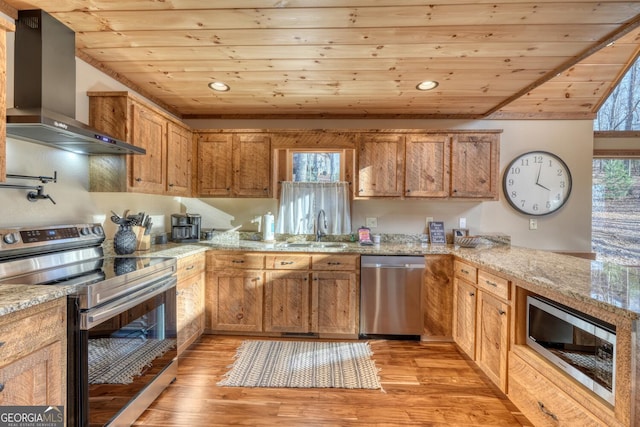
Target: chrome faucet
[321,227]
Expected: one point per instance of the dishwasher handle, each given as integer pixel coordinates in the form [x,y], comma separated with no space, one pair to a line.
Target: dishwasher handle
[402,266]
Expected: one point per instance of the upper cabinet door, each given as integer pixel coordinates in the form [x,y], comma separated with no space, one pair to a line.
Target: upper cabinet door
[380,165]
[215,164]
[427,166]
[148,130]
[178,160]
[252,165]
[474,166]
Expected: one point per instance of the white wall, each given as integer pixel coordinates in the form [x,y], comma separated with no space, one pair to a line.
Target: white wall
[569,229]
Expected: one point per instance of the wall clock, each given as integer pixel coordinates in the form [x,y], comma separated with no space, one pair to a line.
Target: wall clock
[537,183]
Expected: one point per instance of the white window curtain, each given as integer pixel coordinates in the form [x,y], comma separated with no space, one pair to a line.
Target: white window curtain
[300,203]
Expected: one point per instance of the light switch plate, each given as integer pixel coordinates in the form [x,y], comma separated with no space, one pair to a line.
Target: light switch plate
[463,223]
[533,224]
[371,222]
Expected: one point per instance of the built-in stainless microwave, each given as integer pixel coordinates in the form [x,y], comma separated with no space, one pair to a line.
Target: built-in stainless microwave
[579,344]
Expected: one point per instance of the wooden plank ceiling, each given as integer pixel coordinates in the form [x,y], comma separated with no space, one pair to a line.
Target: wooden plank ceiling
[358,58]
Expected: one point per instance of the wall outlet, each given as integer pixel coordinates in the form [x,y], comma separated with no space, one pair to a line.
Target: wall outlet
[371,222]
[463,222]
[533,224]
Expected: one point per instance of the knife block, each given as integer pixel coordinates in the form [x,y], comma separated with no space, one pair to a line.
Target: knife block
[143,241]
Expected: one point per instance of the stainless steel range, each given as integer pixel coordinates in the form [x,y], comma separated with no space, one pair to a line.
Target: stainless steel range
[121,317]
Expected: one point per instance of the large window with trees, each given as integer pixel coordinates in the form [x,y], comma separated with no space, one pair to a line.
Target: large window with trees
[615,228]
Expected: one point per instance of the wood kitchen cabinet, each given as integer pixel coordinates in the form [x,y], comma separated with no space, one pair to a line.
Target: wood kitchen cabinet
[33,364]
[335,303]
[287,302]
[190,300]
[165,166]
[481,306]
[234,292]
[380,165]
[428,165]
[234,165]
[428,159]
[465,297]
[474,166]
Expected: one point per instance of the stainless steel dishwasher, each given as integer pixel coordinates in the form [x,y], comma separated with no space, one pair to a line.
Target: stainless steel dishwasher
[391,295]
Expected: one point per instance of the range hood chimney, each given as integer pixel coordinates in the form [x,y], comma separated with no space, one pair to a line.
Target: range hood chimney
[45,90]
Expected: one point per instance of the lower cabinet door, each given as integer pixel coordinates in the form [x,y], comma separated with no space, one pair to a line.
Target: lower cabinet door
[492,338]
[234,300]
[334,303]
[190,310]
[287,301]
[35,379]
[464,316]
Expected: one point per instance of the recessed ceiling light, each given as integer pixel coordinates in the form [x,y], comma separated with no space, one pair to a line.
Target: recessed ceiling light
[219,86]
[427,85]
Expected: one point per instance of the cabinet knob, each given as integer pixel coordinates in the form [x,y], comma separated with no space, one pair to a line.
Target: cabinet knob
[472,294]
[455,191]
[171,185]
[408,190]
[502,312]
[239,316]
[138,179]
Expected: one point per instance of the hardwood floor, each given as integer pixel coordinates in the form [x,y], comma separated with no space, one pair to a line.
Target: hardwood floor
[425,384]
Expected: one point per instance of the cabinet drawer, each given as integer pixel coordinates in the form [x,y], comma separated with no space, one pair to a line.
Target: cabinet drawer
[288,262]
[465,271]
[493,284]
[541,401]
[25,331]
[335,262]
[222,261]
[190,266]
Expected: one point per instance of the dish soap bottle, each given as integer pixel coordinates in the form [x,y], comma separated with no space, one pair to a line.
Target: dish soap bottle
[269,233]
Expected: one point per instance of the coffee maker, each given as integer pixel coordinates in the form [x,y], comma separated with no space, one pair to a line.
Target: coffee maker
[185,228]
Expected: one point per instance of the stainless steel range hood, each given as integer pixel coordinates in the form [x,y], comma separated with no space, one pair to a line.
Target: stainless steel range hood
[45,90]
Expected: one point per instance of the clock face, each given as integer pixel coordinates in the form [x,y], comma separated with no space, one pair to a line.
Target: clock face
[537,183]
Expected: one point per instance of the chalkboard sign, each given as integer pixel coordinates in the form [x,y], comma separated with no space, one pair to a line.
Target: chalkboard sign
[436,233]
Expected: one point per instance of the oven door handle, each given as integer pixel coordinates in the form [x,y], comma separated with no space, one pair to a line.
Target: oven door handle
[97,315]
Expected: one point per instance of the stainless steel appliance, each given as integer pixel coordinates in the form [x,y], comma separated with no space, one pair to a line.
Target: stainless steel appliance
[390,295]
[185,228]
[45,90]
[580,345]
[121,317]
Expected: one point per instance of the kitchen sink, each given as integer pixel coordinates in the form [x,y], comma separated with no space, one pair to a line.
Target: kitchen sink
[311,245]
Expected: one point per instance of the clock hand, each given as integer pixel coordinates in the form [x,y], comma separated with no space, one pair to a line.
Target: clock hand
[538,179]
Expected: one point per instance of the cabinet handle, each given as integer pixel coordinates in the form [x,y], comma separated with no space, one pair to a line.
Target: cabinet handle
[334,263]
[286,262]
[237,261]
[1,387]
[138,179]
[1,343]
[547,412]
[464,271]
[491,283]
[171,185]
[501,312]
[472,294]
[239,316]
[191,267]
[258,278]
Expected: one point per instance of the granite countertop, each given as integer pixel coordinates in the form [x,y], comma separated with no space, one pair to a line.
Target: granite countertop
[612,287]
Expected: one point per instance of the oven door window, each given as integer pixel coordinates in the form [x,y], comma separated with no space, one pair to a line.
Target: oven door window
[127,351]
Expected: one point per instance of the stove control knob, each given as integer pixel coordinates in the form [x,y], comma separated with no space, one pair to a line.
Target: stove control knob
[10,238]
[97,230]
[85,230]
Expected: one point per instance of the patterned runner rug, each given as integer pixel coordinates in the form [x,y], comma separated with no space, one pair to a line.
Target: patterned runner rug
[304,364]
